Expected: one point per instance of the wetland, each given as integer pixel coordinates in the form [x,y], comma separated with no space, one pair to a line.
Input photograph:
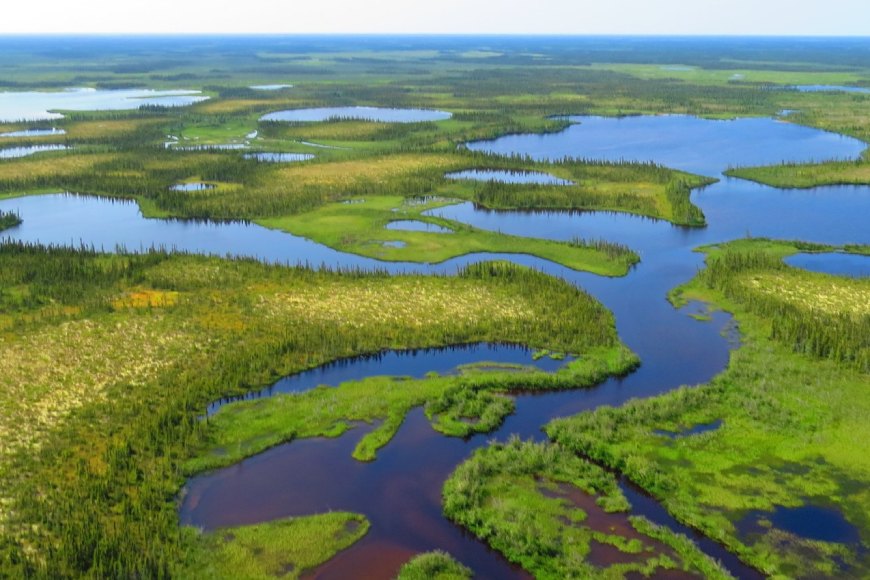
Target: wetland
[447,342]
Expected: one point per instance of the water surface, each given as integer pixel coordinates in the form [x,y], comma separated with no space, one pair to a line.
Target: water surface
[16,152]
[270,87]
[34,133]
[812,522]
[193,186]
[384,115]
[518,177]
[831,89]
[837,263]
[279,157]
[37,105]
[703,146]
[415,363]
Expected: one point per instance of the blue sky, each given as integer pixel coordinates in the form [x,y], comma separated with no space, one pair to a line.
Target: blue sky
[742,17]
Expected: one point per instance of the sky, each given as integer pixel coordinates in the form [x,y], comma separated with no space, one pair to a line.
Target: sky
[673,17]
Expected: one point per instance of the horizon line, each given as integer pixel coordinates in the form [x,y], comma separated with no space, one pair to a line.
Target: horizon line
[433,34]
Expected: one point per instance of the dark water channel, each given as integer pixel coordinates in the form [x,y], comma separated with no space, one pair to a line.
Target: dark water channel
[400,491]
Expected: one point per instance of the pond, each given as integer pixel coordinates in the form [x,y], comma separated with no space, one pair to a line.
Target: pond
[279,157]
[34,133]
[16,152]
[417,226]
[812,522]
[270,87]
[839,264]
[401,492]
[193,186]
[384,115]
[696,430]
[831,89]
[518,177]
[37,105]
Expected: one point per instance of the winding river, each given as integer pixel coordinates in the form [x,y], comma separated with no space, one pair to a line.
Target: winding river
[400,491]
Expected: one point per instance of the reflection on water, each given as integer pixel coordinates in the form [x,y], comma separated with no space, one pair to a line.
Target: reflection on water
[16,152]
[279,157]
[34,133]
[519,177]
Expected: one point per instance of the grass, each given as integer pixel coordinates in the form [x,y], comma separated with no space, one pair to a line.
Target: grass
[359,227]
[282,548]
[434,566]
[559,516]
[791,433]
[472,402]
[805,176]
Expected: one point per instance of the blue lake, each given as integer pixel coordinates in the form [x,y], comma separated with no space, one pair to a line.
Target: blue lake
[37,105]
[681,142]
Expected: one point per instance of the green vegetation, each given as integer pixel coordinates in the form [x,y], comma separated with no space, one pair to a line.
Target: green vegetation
[358,226]
[560,516]
[543,311]
[458,405]
[792,403]
[283,548]
[792,175]
[9,220]
[109,360]
[434,566]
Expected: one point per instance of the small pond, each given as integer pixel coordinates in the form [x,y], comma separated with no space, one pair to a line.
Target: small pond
[812,522]
[837,263]
[270,87]
[695,430]
[384,115]
[279,157]
[218,147]
[34,133]
[519,177]
[16,152]
[193,186]
[418,226]
[830,89]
